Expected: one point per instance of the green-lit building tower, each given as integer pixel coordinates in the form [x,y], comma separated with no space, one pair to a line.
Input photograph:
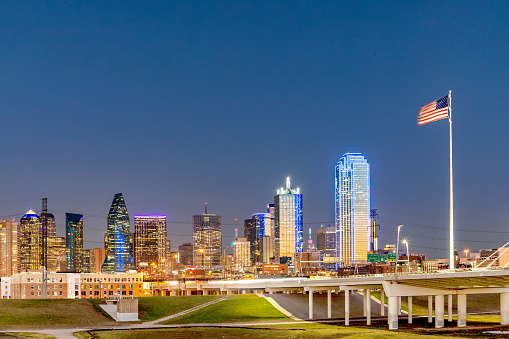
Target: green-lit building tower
[118,258]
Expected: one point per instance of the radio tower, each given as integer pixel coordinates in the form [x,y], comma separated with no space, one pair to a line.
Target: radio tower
[44,261]
[236,229]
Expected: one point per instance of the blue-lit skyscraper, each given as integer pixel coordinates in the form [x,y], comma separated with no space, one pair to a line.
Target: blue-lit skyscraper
[74,242]
[118,258]
[353,227]
[288,223]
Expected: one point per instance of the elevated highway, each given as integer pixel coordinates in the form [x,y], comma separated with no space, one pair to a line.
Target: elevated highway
[435,285]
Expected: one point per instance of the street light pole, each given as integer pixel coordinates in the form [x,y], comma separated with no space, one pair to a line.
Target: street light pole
[397,254]
[407,254]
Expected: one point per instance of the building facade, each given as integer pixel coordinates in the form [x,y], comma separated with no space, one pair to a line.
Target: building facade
[352,195]
[288,223]
[206,240]
[150,242]
[185,256]
[52,226]
[263,226]
[97,256]
[73,242]
[118,257]
[56,253]
[241,254]
[9,256]
[30,242]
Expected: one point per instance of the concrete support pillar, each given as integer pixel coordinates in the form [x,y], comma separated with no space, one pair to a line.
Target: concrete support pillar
[382,302]
[409,309]
[449,308]
[364,302]
[392,319]
[243,291]
[368,306]
[228,292]
[310,304]
[329,304]
[504,308]
[347,308]
[205,292]
[430,309]
[271,292]
[188,292]
[462,310]
[439,311]
[399,305]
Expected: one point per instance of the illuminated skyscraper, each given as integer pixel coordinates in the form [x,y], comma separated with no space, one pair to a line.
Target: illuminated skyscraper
[9,259]
[263,226]
[353,227]
[118,258]
[150,240]
[30,242]
[241,257]
[206,240]
[73,242]
[288,222]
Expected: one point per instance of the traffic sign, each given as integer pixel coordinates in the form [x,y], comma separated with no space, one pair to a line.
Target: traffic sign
[373,257]
[392,257]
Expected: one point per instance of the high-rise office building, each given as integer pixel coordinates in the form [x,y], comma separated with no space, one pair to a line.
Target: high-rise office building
[56,250]
[263,226]
[206,240]
[118,258]
[30,242]
[186,254]
[288,223]
[249,235]
[74,242]
[52,226]
[326,244]
[97,256]
[86,262]
[150,241]
[9,258]
[353,227]
[241,255]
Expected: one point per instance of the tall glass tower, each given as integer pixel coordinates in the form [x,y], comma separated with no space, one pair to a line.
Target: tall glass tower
[206,240]
[74,242]
[30,242]
[287,223]
[353,227]
[150,241]
[118,258]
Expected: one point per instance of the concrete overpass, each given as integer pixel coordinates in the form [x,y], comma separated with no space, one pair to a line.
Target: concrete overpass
[434,285]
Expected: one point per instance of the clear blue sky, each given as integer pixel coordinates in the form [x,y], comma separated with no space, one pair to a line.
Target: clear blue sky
[178,103]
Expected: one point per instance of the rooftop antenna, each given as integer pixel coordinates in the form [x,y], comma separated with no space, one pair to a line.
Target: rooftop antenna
[236,229]
[205,208]
[288,182]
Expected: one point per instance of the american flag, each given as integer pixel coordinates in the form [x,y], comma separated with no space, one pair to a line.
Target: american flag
[434,111]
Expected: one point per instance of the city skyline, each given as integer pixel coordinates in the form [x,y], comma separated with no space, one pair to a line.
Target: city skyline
[164,86]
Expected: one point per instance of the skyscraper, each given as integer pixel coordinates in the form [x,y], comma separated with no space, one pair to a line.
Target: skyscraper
[288,223]
[30,242]
[150,240]
[263,226]
[206,240]
[118,258]
[186,254]
[9,259]
[353,226]
[74,242]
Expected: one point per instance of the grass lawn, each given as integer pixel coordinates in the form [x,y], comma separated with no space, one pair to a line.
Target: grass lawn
[46,313]
[248,307]
[310,330]
[152,308]
[24,335]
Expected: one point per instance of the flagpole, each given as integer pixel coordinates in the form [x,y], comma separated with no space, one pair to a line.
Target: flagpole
[451,221]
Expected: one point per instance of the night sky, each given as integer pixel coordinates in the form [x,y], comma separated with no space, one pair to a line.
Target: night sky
[178,104]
